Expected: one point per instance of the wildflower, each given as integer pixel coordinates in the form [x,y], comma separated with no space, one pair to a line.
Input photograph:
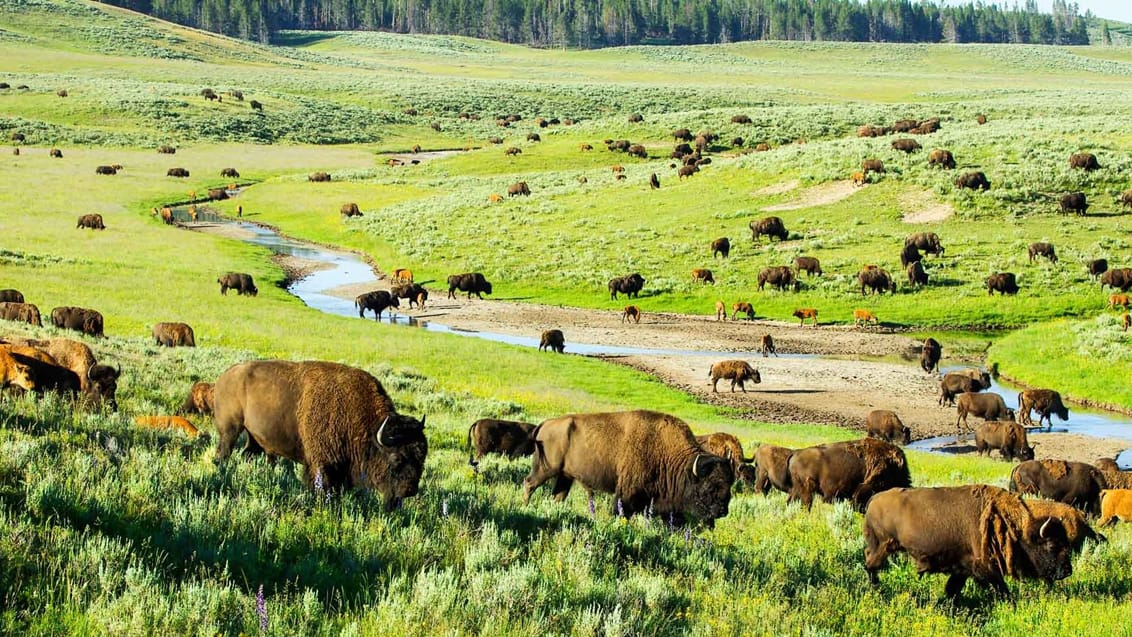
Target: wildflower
[687,535]
[261,609]
[620,508]
[593,509]
[671,522]
[444,508]
[318,480]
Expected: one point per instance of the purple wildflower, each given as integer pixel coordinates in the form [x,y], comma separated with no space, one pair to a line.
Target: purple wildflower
[620,509]
[593,509]
[671,522]
[261,609]
[687,535]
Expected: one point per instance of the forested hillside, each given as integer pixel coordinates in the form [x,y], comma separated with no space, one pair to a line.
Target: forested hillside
[598,23]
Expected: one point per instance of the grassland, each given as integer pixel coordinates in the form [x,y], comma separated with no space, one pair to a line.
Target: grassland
[105,529]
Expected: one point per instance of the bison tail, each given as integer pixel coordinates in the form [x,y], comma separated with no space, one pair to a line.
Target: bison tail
[471,450]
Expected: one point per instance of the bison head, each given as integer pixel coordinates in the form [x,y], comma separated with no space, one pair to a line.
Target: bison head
[1047,547]
[397,459]
[746,473]
[102,384]
[708,491]
[905,435]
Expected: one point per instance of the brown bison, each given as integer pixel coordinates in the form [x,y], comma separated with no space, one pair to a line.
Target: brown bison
[166,150]
[215,194]
[942,158]
[1119,300]
[740,119]
[927,241]
[318,177]
[981,119]
[701,275]
[654,182]
[1084,161]
[337,421]
[167,422]
[94,222]
[350,210]
[105,170]
[238,281]
[1044,401]
[779,276]
[886,425]
[1097,267]
[631,312]
[470,282]
[721,246]
[736,371]
[11,296]
[853,470]
[402,275]
[518,188]
[230,172]
[534,137]
[809,265]
[969,531]
[200,400]
[976,180]
[552,340]
[877,280]
[1076,526]
[414,292]
[682,134]
[637,150]
[630,285]
[687,171]
[772,468]
[83,320]
[872,165]
[505,437]
[376,301]
[1074,202]
[980,405]
[906,145]
[916,274]
[909,254]
[636,118]
[1077,484]
[99,383]
[16,373]
[871,131]
[47,374]
[728,447]
[864,317]
[1005,435]
[1042,249]
[174,335]
[804,313]
[1115,478]
[56,153]
[930,354]
[767,346]
[1117,278]
[1003,283]
[648,460]
[21,312]
[954,383]
[512,151]
[177,172]
[741,307]
[720,311]
[770,226]
[1116,504]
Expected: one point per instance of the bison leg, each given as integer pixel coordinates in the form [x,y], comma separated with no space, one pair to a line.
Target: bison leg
[715,381]
[955,584]
[562,488]
[539,474]
[876,554]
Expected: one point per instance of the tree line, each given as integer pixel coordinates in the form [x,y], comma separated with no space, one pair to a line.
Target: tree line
[599,23]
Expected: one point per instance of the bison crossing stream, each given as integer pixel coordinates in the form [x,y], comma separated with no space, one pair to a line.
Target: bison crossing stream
[343,268]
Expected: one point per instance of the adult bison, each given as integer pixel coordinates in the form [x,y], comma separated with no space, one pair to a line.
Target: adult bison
[98,383]
[980,405]
[772,468]
[1077,484]
[11,296]
[721,246]
[21,312]
[230,172]
[376,301]
[1003,283]
[770,226]
[976,180]
[1042,249]
[15,373]
[809,265]
[1084,161]
[518,188]
[877,280]
[728,447]
[201,399]
[105,170]
[972,531]
[854,470]
[930,354]
[737,371]
[703,275]
[93,221]
[174,335]
[927,241]
[687,171]
[414,292]
[552,340]
[779,276]
[1074,202]
[954,383]
[942,158]
[238,281]
[886,425]
[80,319]
[177,172]
[916,274]
[630,285]
[1005,435]
[1044,401]
[1115,478]
[337,421]
[1097,267]
[872,165]
[646,459]
[469,282]
[909,254]
[47,374]
[906,145]
[350,210]
[1076,526]
[317,176]
[1117,278]
[505,437]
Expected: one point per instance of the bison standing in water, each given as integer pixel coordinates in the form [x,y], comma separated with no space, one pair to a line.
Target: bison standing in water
[930,354]
[337,421]
[378,301]
[470,282]
[1044,401]
[886,425]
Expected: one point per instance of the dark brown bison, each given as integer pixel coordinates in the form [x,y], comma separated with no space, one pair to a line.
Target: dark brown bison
[682,134]
[470,282]
[645,459]
[414,292]
[1074,202]
[238,281]
[871,131]
[1042,249]
[636,118]
[909,254]
[318,177]
[1077,484]
[94,222]
[1044,401]
[954,383]
[230,172]
[770,226]
[942,158]
[772,468]
[552,340]
[99,383]
[47,374]
[1005,435]
[779,276]
[1003,283]
[217,194]
[976,180]
[165,149]
[740,119]
[904,125]
[737,371]
[969,531]
[654,182]
[872,165]
[177,172]
[1117,278]
[639,151]
[809,265]
[1097,267]
[350,210]
[534,137]
[512,151]
[728,447]
[927,241]
[980,405]
[767,345]
[518,188]
[930,354]
[80,319]
[376,301]
[853,470]
[702,275]
[687,171]
[20,312]
[916,274]
[11,296]
[505,437]
[56,153]
[200,399]
[337,421]
[906,145]
[886,425]
[105,170]
[1084,161]
[877,280]
[630,285]
[721,246]
[255,105]
[174,335]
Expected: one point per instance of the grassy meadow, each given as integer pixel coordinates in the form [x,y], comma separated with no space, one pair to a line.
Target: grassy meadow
[108,529]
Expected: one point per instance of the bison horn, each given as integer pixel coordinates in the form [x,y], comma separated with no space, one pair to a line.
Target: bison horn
[727,454]
[1042,531]
[88,371]
[696,466]
[422,420]
[381,432]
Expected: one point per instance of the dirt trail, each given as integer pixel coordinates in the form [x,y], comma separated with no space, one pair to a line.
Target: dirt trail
[820,195]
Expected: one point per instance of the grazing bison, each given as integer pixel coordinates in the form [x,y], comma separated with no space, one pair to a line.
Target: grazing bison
[1003,283]
[512,151]
[909,254]
[215,194]
[872,165]
[886,425]
[533,137]
[378,301]
[779,276]
[973,180]
[16,372]
[985,406]
[720,311]
[1074,202]
[230,172]
[740,119]
[969,531]
[654,182]
[20,312]
[942,158]
[772,468]
[858,178]
[11,296]
[1044,401]
[1077,484]
[864,317]
[105,170]
[770,226]
[981,119]
[238,281]
[631,312]
[687,171]
[955,383]
[806,313]
[741,307]
[767,346]
[88,322]
[200,399]
[1084,161]
[927,241]
[1115,504]
[1042,249]
[645,458]
[701,275]
[469,282]
[871,131]
[177,172]
[636,118]
[414,292]
[877,280]
[1005,435]
[736,371]
[854,470]
[337,421]
[318,176]
[47,374]
[552,340]
[682,134]
[637,150]
[1118,278]
[728,447]
[174,335]
[721,246]
[518,188]
[56,153]
[809,265]
[1125,321]
[930,354]
[504,437]
[166,150]
[1097,267]
[916,274]
[99,383]
[350,210]
[1119,300]
[906,145]
[94,222]
[630,285]
[1077,528]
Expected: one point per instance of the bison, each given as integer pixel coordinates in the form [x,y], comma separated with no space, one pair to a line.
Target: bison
[729,448]
[721,246]
[780,276]
[21,312]
[93,221]
[1118,300]
[56,153]
[1074,202]
[230,172]
[469,282]
[864,317]
[504,437]
[350,210]
[648,460]
[909,254]
[316,176]
[105,170]
[872,165]
[736,371]
[1115,478]
[906,145]
[1117,278]
[1042,249]
[1077,484]
[770,226]
[337,421]
[174,335]
[167,422]
[99,383]
[11,296]
[741,307]
[512,151]
[886,425]
[631,312]
[1076,526]
[916,274]
[985,406]
[80,319]
[809,265]
[1097,267]
[877,280]
[701,275]
[968,531]
[942,158]
[518,188]
[954,383]
[1115,504]
[238,281]
[654,182]
[767,346]
[200,399]
[976,180]
[687,171]
[1003,283]
[930,354]
[1084,161]
[414,292]
[772,468]
[853,470]
[377,301]
[47,374]
[1044,401]
[927,241]
[1005,435]
[177,172]
[552,340]
[806,313]
[165,149]
[15,373]
[630,285]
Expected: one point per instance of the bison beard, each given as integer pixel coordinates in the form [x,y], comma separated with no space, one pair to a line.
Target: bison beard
[335,420]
